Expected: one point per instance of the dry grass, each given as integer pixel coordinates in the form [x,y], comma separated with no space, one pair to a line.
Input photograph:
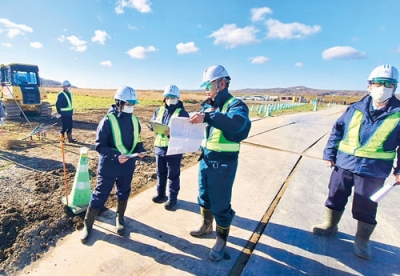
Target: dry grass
[143,95]
[11,141]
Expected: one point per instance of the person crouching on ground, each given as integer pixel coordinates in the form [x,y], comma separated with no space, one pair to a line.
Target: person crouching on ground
[118,136]
[228,124]
[168,166]
[361,149]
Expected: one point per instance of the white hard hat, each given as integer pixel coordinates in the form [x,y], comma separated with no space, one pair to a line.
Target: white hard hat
[172,91]
[213,73]
[66,83]
[384,72]
[126,94]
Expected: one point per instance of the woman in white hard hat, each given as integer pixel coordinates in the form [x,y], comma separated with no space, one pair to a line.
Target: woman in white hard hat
[168,166]
[118,137]
[228,124]
[361,149]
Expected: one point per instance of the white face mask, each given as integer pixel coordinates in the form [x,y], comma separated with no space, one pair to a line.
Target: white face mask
[171,101]
[128,108]
[380,93]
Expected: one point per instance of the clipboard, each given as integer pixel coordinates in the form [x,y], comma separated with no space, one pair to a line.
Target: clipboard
[159,128]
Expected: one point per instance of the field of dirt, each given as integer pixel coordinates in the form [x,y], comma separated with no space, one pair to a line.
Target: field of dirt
[32,182]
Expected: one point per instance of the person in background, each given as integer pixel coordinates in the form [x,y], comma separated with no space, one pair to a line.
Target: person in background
[2,114]
[118,137]
[65,108]
[228,124]
[361,150]
[168,166]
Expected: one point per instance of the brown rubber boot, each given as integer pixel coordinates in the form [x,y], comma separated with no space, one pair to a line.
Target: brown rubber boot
[119,220]
[218,251]
[206,228]
[329,227]
[361,242]
[88,222]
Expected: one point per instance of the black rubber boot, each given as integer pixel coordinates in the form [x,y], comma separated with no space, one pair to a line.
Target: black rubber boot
[207,227]
[159,198]
[88,222]
[70,139]
[330,226]
[218,250]
[119,221]
[361,242]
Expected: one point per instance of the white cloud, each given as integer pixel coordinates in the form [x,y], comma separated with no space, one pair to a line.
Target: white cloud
[259,60]
[36,45]
[342,52]
[140,52]
[132,27]
[8,45]
[257,14]
[61,38]
[232,36]
[77,44]
[277,29]
[14,29]
[298,64]
[100,36]
[106,63]
[142,6]
[186,48]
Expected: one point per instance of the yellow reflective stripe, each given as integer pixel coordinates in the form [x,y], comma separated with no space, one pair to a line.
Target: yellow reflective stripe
[351,141]
[217,141]
[374,146]
[69,102]
[161,139]
[116,131]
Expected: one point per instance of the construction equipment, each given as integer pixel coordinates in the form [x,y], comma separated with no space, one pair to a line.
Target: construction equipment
[22,91]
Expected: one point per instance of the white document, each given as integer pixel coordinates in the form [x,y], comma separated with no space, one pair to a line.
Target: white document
[184,136]
[382,192]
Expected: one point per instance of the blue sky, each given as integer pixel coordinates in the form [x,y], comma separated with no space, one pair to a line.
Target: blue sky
[149,44]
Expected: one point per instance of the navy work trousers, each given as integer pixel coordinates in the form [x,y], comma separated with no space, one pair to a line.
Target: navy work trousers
[104,186]
[340,186]
[169,168]
[215,189]
[66,124]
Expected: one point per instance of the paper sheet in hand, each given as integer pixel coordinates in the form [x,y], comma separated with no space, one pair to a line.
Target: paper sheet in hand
[382,192]
[184,136]
[158,127]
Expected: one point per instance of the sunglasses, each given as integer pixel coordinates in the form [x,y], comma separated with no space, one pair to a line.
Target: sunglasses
[209,86]
[387,84]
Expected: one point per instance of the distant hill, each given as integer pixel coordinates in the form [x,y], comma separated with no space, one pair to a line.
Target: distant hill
[299,90]
[303,90]
[50,83]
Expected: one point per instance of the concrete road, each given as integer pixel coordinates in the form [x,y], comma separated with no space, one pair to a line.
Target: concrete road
[279,193]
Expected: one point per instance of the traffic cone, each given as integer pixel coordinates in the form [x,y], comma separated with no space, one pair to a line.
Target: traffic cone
[78,199]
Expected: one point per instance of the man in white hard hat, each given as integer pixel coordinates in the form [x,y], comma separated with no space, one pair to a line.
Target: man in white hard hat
[117,138]
[168,167]
[228,124]
[361,149]
[65,108]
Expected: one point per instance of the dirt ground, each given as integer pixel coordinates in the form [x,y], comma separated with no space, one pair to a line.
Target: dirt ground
[32,183]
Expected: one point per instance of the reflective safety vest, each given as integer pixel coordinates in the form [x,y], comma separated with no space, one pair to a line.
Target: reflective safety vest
[216,140]
[69,106]
[116,131]
[161,139]
[373,147]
